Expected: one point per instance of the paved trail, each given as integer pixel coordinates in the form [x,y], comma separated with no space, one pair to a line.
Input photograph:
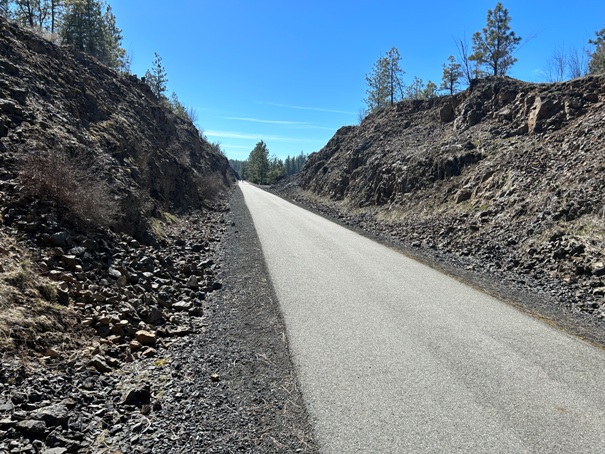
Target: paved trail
[394,357]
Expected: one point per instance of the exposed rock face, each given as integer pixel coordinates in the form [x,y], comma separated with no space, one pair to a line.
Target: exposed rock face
[416,144]
[54,99]
[507,173]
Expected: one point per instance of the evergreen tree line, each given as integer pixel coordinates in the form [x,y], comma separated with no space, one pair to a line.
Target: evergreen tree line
[491,54]
[259,168]
[87,25]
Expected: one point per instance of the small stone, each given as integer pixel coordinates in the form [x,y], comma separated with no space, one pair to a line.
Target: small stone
[145,337]
[98,362]
[114,273]
[55,451]
[52,352]
[136,395]
[182,306]
[70,261]
[8,406]
[135,345]
[53,415]
[120,327]
[598,269]
[32,426]
[196,311]
[149,352]
[59,239]
[7,423]
[192,282]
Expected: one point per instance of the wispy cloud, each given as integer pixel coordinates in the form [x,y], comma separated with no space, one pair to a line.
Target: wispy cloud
[294,124]
[273,122]
[244,136]
[317,109]
[238,147]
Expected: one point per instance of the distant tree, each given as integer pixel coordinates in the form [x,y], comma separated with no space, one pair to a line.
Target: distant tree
[176,105]
[470,69]
[385,85]
[4,8]
[42,15]
[29,13]
[294,164]
[239,167]
[56,14]
[90,26]
[258,164]
[418,90]
[556,66]
[597,57]
[430,90]
[217,148]
[578,63]
[361,114]
[156,77]
[452,73]
[115,55]
[394,75]
[276,170]
[377,90]
[495,45]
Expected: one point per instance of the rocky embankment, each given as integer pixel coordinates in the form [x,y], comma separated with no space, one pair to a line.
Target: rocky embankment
[182,347]
[117,333]
[95,142]
[503,180]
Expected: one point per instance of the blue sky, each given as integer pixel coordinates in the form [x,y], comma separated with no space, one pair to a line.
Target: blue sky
[291,73]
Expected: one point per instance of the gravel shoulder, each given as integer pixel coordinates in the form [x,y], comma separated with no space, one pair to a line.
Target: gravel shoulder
[240,369]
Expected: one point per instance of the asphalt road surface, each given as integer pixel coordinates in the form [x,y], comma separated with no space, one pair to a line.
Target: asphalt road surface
[394,357]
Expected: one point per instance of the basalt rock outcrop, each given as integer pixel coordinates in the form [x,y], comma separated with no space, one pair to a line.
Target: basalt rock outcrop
[56,100]
[506,177]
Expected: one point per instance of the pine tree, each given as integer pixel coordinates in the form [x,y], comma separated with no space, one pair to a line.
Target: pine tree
[115,55]
[258,163]
[90,29]
[56,14]
[495,45]
[415,89]
[597,57]
[4,9]
[452,73]
[31,13]
[156,77]
[384,82]
[430,91]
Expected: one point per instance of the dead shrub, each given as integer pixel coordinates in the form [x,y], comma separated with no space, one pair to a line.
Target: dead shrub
[211,187]
[70,185]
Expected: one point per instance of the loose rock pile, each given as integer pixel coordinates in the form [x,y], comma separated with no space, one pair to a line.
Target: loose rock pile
[133,301]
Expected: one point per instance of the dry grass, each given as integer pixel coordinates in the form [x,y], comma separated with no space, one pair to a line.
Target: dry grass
[30,317]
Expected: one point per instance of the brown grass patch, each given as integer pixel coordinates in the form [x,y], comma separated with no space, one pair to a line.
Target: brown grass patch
[30,316]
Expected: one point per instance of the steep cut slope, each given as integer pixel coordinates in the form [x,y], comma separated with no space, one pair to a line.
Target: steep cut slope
[506,177]
[97,176]
[62,104]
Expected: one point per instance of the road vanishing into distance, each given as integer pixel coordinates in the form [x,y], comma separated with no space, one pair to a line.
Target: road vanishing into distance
[395,357]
